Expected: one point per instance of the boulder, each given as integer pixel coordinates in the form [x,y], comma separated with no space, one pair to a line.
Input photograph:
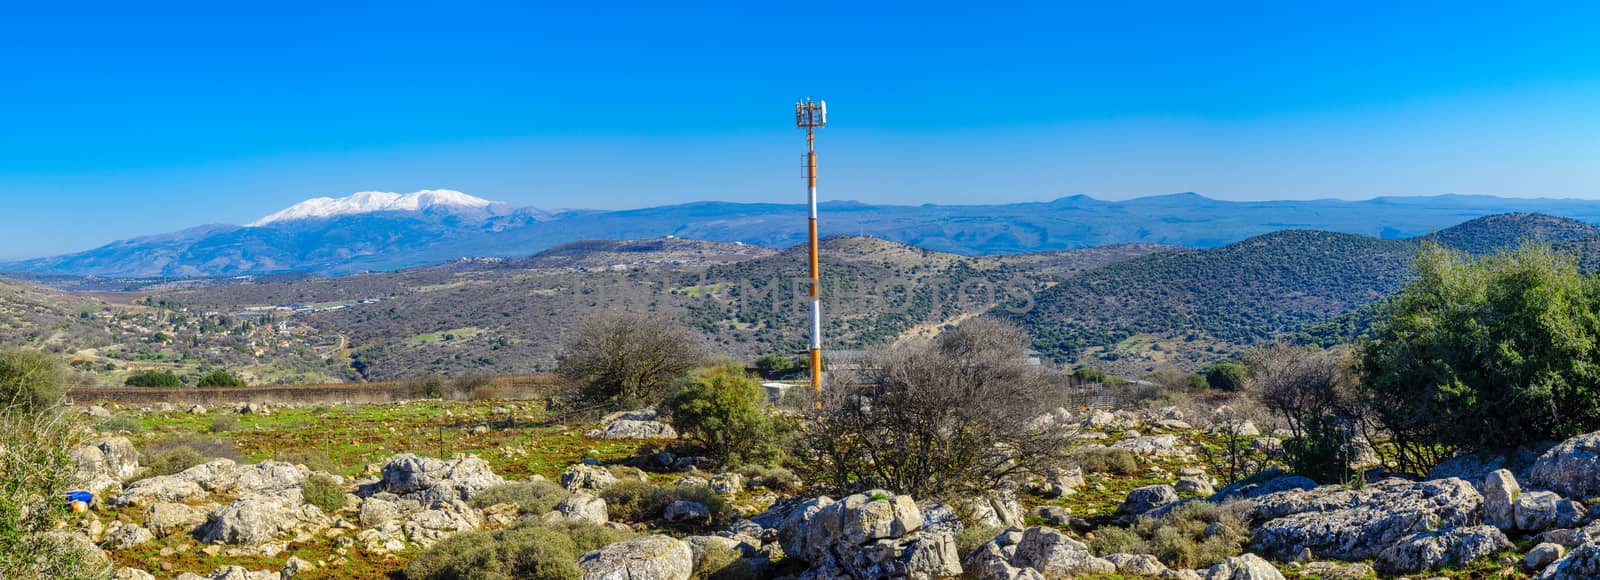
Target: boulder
[646,558]
[1536,510]
[625,429]
[1054,555]
[115,458]
[1195,485]
[170,519]
[267,477]
[164,488]
[260,519]
[124,535]
[1098,420]
[794,528]
[1271,481]
[1571,469]
[1582,563]
[991,561]
[197,409]
[1543,555]
[294,566]
[582,506]
[726,483]
[1144,499]
[584,476]
[1476,467]
[131,574]
[1343,524]
[434,481]
[1434,550]
[215,476]
[1500,491]
[1244,567]
[441,521]
[1137,564]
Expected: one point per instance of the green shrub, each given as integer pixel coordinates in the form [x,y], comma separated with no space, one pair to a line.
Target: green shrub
[36,470]
[1179,538]
[626,360]
[777,479]
[172,456]
[220,379]
[531,549]
[154,378]
[721,410]
[973,536]
[313,459]
[1486,353]
[625,472]
[121,423]
[634,501]
[533,497]
[1100,459]
[1226,376]
[30,380]
[224,423]
[716,504]
[322,491]
[1322,452]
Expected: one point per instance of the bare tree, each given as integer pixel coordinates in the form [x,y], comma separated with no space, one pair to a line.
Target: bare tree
[625,359]
[1313,390]
[958,413]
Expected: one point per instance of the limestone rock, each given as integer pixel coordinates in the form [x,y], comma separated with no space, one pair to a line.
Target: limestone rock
[122,536]
[1500,490]
[1542,555]
[1195,485]
[257,520]
[582,506]
[1153,446]
[1433,550]
[1571,468]
[1343,524]
[168,519]
[1137,564]
[646,558]
[1055,555]
[1144,499]
[1582,563]
[584,476]
[437,481]
[1536,510]
[1245,567]
[726,483]
[628,429]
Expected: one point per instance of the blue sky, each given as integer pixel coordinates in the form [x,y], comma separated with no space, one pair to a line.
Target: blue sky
[123,119]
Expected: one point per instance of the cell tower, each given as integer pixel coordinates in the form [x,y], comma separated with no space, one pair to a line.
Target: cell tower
[811,116]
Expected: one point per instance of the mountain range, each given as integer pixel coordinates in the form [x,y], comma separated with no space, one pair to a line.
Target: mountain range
[379,231]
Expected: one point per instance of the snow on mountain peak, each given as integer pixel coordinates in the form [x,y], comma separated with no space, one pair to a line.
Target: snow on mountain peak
[370,202]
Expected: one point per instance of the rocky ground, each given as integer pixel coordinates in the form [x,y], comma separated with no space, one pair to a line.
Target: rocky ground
[411,475]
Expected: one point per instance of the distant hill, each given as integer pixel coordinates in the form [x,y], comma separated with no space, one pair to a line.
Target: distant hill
[1487,234]
[376,231]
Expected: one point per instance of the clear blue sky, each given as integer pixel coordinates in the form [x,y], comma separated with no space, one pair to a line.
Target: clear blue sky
[129,118]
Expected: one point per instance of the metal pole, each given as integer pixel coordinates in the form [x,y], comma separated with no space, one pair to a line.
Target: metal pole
[816,271]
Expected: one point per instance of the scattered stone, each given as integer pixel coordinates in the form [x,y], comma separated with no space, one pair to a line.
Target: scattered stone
[257,520]
[1536,510]
[1194,485]
[1137,565]
[726,483]
[197,409]
[168,519]
[1054,555]
[1153,446]
[123,535]
[1500,490]
[1582,563]
[1350,525]
[436,480]
[1572,468]
[685,511]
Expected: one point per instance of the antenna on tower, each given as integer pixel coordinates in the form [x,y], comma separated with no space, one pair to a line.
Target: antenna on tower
[811,116]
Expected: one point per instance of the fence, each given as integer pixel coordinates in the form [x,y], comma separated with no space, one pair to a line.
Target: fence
[507,387]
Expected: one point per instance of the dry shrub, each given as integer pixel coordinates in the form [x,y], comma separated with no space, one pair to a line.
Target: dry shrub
[1195,534]
[175,455]
[531,497]
[532,549]
[1102,459]
[322,491]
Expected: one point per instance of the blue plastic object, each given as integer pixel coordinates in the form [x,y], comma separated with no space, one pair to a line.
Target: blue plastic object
[82,496]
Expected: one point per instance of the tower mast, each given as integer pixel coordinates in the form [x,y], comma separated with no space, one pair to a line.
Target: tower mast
[811,116]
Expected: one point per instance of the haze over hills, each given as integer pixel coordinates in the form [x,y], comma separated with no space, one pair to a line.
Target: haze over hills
[377,231]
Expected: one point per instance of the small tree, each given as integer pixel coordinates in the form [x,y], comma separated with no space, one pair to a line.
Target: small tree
[1486,353]
[625,359]
[220,379]
[1226,376]
[721,410]
[30,380]
[153,379]
[956,414]
[1313,390]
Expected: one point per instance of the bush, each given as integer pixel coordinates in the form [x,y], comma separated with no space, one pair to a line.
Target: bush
[634,501]
[121,423]
[30,380]
[36,472]
[973,536]
[153,379]
[534,497]
[312,459]
[322,491]
[1226,376]
[220,379]
[721,411]
[172,456]
[224,423]
[1101,459]
[1486,353]
[1180,538]
[954,414]
[777,479]
[1313,390]
[1323,452]
[532,549]
[626,360]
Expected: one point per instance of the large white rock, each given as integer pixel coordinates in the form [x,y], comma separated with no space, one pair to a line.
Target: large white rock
[582,506]
[647,558]
[1245,567]
[1571,469]
[1500,491]
[434,480]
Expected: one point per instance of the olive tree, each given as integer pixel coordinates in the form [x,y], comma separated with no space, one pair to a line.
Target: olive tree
[958,413]
[625,359]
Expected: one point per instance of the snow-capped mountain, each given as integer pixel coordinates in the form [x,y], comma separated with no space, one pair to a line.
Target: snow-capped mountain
[373,202]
